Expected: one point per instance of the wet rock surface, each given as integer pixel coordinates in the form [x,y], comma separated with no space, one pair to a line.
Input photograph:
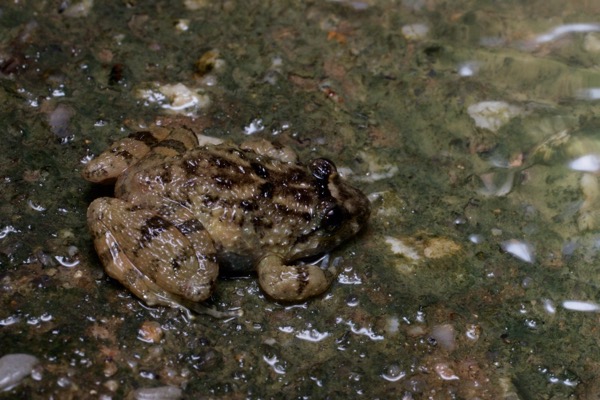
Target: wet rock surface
[473,133]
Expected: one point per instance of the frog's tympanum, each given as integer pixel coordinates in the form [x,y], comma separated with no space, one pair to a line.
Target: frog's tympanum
[186,204]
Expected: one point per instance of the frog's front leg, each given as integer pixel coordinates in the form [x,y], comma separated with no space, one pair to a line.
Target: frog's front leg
[124,153]
[292,282]
[153,258]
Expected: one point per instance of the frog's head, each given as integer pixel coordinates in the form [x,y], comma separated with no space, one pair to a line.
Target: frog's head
[341,211]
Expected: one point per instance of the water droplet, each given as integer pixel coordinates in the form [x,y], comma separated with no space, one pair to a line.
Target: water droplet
[66,261]
[312,335]
[352,301]
[6,230]
[393,373]
[275,364]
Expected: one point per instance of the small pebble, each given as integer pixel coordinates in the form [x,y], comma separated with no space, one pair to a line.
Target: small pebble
[158,393]
[150,332]
[14,368]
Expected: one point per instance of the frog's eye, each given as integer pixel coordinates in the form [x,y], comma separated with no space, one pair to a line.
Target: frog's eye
[322,168]
[332,218]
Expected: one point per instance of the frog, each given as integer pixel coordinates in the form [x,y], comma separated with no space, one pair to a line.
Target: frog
[187,206]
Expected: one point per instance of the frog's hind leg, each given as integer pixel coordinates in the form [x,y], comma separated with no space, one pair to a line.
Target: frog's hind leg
[151,256]
[293,282]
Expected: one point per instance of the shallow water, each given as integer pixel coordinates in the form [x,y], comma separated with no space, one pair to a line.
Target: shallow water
[471,125]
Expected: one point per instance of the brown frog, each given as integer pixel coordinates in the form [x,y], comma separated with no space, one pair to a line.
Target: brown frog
[185,204]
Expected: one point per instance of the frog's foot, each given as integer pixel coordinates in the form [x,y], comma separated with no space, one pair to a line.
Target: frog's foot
[293,282]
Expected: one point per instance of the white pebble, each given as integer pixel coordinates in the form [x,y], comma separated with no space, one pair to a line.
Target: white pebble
[444,336]
[589,93]
[549,306]
[399,247]
[591,42]
[14,368]
[77,10]
[576,305]
[562,30]
[415,31]
[587,163]
[469,68]
[476,238]
[158,393]
[492,114]
[521,250]
[176,98]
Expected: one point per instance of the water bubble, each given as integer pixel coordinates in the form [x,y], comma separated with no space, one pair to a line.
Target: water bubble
[352,301]
[148,375]
[66,261]
[6,230]
[273,361]
[317,381]
[531,323]
[473,332]
[312,335]
[256,125]
[393,373]
[11,320]
[368,332]
[63,382]
[35,207]
[286,329]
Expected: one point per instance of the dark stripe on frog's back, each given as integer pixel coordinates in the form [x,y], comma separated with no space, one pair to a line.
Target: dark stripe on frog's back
[217,164]
[281,191]
[145,137]
[192,225]
[178,146]
[124,154]
[180,141]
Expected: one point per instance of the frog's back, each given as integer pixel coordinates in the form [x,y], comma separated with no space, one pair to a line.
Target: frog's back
[250,204]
